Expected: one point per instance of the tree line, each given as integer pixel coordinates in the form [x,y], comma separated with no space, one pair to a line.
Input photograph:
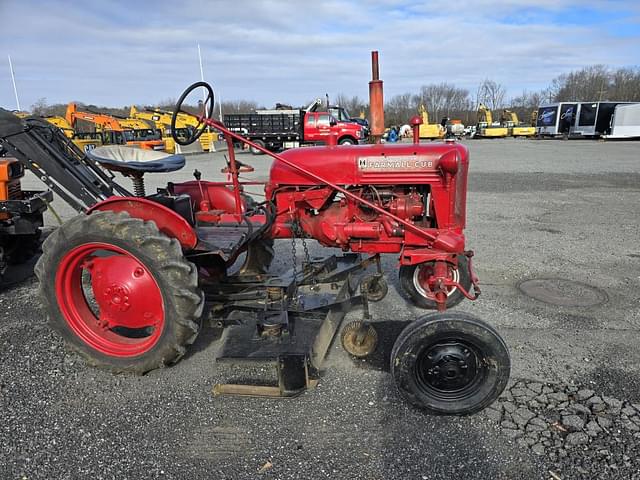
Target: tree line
[592,83]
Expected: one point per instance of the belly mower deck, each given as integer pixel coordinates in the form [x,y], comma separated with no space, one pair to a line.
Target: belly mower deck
[287,322]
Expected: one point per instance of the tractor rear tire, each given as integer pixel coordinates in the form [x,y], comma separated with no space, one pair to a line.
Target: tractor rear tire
[420,294]
[138,276]
[450,363]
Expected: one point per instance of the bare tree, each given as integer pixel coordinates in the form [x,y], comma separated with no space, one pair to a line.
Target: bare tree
[167,104]
[239,106]
[354,105]
[40,107]
[524,104]
[399,109]
[491,94]
[443,100]
[625,85]
[587,84]
[595,83]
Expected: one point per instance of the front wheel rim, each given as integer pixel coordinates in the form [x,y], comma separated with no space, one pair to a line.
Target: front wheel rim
[421,276]
[450,370]
[110,299]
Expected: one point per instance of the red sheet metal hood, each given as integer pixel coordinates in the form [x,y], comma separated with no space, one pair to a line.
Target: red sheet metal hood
[368,164]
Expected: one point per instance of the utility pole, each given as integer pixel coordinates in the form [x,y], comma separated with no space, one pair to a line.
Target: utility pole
[204,92]
[13,79]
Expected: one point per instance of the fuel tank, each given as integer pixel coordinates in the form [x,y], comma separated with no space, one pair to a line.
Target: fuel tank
[370,164]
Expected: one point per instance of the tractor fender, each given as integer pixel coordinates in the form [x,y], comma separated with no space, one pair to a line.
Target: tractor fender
[167,221]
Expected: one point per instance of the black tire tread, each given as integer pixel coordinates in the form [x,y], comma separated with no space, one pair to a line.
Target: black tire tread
[461,317]
[184,295]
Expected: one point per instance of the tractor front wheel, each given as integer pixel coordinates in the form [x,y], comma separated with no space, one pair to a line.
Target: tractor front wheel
[120,292]
[450,364]
[415,281]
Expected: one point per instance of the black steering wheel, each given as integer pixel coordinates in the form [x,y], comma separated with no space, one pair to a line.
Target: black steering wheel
[206,113]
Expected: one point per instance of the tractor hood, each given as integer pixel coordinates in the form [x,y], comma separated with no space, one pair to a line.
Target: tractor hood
[370,164]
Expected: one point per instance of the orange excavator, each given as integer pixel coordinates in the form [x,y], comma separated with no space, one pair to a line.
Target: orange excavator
[110,128]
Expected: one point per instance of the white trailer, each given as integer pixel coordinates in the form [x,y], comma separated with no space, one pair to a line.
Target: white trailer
[625,122]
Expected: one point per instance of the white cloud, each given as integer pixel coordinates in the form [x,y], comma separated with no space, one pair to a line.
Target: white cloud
[118,53]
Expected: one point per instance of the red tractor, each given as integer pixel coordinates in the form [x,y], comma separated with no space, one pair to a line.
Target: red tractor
[129,282]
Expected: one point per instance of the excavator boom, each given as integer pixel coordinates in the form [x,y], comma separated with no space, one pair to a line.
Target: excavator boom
[112,128]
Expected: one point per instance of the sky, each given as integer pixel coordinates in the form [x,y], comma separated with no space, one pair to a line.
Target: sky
[117,53]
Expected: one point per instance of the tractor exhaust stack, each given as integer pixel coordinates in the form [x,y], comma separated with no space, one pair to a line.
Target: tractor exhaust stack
[376,100]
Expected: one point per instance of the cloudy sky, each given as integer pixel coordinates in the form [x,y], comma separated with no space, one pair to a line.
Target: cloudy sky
[122,52]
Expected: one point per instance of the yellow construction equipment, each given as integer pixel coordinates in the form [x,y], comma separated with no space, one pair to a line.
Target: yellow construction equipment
[162,122]
[429,130]
[142,131]
[110,128]
[486,128]
[183,120]
[84,141]
[514,127]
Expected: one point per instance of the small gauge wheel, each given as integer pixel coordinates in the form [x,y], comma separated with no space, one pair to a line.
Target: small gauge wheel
[359,339]
[375,286]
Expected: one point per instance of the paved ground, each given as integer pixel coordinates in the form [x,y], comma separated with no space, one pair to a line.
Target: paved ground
[537,209]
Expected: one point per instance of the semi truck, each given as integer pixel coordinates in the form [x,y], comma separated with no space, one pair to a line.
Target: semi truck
[279,129]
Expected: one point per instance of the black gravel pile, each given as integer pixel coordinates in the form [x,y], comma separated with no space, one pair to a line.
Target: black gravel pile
[580,434]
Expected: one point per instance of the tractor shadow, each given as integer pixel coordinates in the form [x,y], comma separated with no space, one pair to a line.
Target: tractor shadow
[15,275]
[207,339]
[388,331]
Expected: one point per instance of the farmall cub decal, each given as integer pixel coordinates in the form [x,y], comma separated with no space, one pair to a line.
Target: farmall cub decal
[406,163]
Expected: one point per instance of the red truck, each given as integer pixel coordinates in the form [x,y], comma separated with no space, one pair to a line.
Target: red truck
[281,129]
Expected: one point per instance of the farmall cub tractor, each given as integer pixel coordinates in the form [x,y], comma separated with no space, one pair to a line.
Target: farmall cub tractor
[128,283]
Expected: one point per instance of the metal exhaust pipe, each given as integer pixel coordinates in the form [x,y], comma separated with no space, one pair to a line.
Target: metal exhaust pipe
[376,100]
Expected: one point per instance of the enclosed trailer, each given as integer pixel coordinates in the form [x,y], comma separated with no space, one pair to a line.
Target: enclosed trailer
[594,118]
[556,118]
[584,119]
[625,122]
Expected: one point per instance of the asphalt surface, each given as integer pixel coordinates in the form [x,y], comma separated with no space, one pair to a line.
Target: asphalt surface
[536,210]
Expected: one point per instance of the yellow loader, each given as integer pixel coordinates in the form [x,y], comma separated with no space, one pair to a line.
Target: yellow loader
[429,130]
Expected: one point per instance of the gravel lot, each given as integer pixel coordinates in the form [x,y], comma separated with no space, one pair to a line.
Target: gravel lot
[536,210]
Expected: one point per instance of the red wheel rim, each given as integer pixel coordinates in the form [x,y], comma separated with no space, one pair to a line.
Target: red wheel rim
[110,300]
[424,281]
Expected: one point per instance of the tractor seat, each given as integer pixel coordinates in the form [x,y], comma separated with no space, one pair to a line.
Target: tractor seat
[135,160]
